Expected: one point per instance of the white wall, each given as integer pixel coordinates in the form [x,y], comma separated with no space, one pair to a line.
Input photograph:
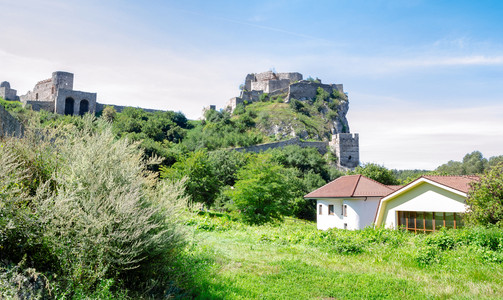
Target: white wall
[424,197]
[360,213]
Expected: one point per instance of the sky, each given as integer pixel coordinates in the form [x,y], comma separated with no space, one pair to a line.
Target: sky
[424,78]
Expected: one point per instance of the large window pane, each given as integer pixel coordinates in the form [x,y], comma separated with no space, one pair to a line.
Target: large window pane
[410,224]
[419,220]
[449,220]
[428,216]
[439,220]
[401,218]
[459,220]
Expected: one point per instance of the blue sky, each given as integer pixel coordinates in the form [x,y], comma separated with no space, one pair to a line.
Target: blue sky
[424,78]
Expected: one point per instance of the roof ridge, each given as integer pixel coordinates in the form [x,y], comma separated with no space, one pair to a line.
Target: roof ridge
[385,185]
[356,185]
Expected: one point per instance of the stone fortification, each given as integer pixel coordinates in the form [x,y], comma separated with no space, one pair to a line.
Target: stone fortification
[344,145]
[322,147]
[9,126]
[56,94]
[271,83]
[120,108]
[306,90]
[6,92]
[346,148]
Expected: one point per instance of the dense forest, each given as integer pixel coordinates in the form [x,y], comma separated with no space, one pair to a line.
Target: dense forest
[104,206]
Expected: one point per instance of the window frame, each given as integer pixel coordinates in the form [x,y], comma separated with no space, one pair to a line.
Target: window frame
[406,218]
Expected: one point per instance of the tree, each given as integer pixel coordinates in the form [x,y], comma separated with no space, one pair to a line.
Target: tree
[109,113]
[262,191]
[485,199]
[473,163]
[377,173]
[201,184]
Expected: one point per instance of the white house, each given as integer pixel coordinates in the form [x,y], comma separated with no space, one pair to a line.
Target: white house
[349,202]
[426,204]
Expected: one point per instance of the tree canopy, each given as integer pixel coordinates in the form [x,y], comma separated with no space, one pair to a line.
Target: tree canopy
[486,198]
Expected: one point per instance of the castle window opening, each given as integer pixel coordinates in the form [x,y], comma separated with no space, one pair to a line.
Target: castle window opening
[84,107]
[349,158]
[52,90]
[36,96]
[69,103]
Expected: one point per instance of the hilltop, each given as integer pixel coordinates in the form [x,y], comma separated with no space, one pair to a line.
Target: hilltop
[285,105]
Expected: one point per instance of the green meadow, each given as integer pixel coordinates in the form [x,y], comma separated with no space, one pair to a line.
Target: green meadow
[294,260]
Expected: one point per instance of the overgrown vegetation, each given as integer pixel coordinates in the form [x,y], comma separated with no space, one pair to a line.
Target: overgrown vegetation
[79,205]
[84,214]
[295,260]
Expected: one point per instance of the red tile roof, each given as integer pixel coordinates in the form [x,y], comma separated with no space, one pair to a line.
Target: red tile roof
[351,186]
[460,183]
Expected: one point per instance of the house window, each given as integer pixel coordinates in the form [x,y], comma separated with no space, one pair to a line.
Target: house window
[345,210]
[345,225]
[423,221]
[330,209]
[320,210]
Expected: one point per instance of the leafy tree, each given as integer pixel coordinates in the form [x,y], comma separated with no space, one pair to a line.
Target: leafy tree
[377,173]
[109,113]
[262,192]
[226,164]
[451,168]
[201,185]
[495,160]
[473,163]
[304,159]
[485,198]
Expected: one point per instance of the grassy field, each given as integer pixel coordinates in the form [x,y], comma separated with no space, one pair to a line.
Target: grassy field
[295,261]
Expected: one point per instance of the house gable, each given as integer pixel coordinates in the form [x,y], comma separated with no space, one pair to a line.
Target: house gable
[423,195]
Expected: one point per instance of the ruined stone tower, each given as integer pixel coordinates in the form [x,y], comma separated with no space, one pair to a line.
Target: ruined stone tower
[346,148]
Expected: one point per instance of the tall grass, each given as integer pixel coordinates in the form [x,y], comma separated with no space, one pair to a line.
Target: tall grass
[294,260]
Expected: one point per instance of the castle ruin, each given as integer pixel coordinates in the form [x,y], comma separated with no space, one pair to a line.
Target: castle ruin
[343,144]
[56,94]
[6,92]
[292,84]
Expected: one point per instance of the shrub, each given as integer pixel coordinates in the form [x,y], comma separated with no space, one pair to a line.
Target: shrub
[427,255]
[485,199]
[107,219]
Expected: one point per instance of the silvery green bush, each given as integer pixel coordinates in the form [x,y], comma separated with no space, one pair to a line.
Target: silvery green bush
[97,211]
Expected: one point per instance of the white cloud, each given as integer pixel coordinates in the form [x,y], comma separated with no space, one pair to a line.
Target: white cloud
[424,137]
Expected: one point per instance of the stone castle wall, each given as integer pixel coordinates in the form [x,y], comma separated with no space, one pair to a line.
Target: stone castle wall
[41,105]
[9,126]
[79,102]
[322,147]
[119,108]
[305,90]
[6,92]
